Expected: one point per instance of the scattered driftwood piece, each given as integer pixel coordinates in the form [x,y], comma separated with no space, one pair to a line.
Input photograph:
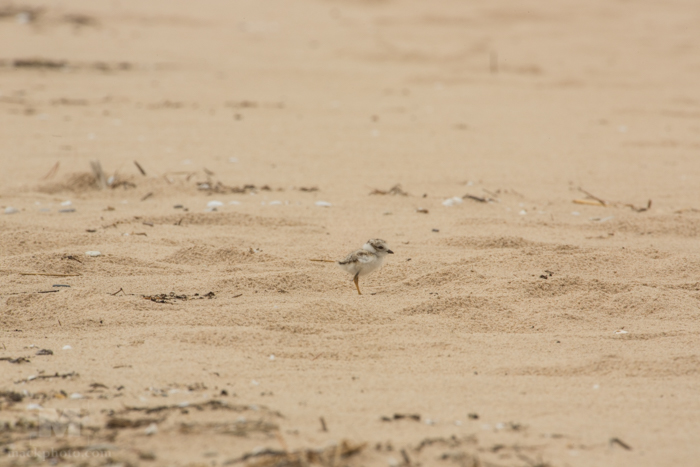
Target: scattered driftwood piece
[120,423]
[402,416]
[138,166]
[482,199]
[330,455]
[47,274]
[147,195]
[620,443]
[476,198]
[211,404]
[422,211]
[72,374]
[323,260]
[394,190]
[220,188]
[308,189]
[17,360]
[592,200]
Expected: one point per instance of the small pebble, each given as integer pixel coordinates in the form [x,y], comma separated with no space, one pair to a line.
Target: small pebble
[76,395]
[67,210]
[11,210]
[67,347]
[66,203]
[93,253]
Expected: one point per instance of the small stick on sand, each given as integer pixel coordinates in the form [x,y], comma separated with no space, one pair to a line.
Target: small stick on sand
[52,172]
[323,424]
[603,202]
[46,274]
[590,202]
[621,443]
[323,260]
[148,195]
[120,290]
[138,166]
[635,208]
[476,198]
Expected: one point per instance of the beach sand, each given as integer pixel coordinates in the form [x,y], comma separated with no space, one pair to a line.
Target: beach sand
[533,166]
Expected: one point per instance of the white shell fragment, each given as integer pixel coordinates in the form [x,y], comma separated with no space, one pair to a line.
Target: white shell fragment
[93,253]
[151,429]
[214,204]
[34,407]
[11,210]
[323,204]
[452,201]
[621,331]
[76,395]
[67,347]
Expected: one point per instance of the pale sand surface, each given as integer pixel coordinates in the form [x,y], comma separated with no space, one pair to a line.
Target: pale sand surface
[522,102]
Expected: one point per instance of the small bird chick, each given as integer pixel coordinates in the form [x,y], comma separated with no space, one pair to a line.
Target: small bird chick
[364,261]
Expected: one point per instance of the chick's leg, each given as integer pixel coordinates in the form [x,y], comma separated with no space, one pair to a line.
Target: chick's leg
[357,282]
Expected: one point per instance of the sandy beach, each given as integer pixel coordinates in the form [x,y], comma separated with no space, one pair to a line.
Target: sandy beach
[169,169]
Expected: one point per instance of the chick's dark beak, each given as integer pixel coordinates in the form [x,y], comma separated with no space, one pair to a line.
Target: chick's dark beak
[390,252]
